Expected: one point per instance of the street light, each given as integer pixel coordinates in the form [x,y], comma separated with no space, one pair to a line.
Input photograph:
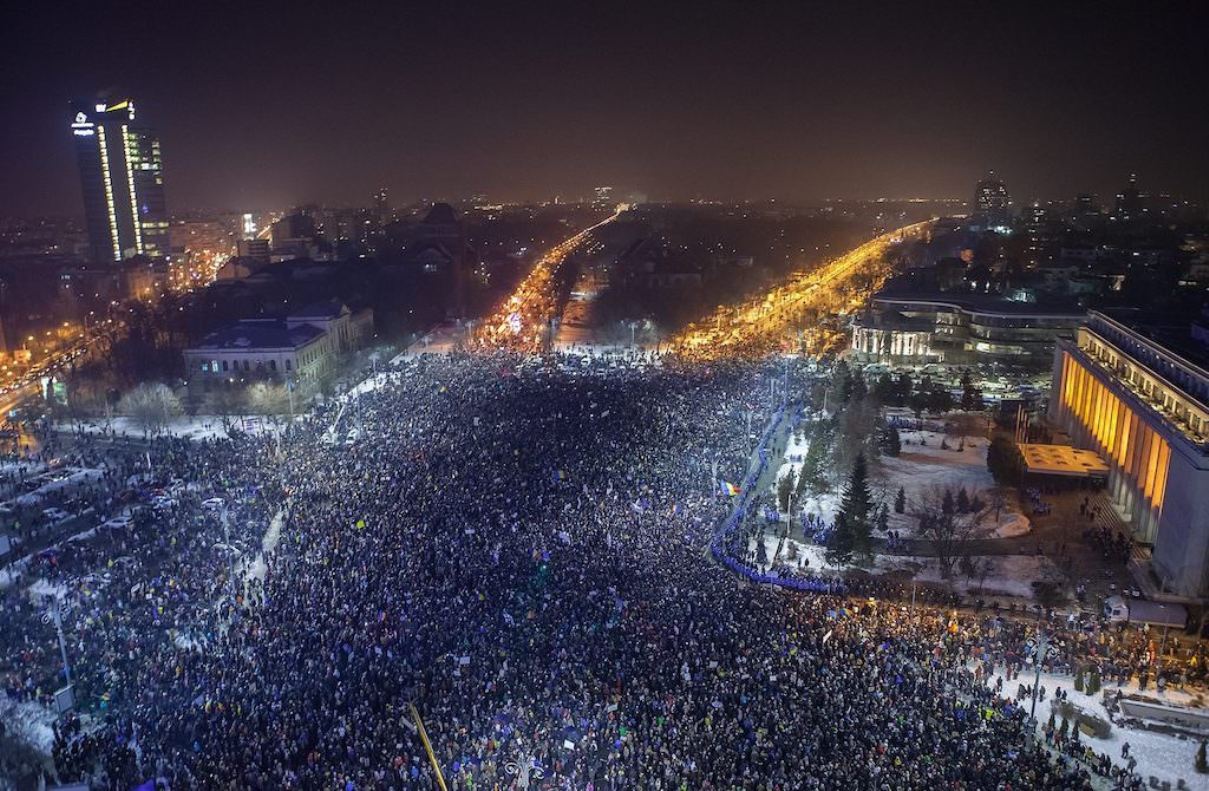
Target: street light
[54,614]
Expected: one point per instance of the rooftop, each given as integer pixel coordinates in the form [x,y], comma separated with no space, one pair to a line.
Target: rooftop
[326,309]
[980,303]
[269,334]
[1061,460]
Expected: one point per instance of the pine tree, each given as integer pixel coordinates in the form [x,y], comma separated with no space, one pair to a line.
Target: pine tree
[971,396]
[947,506]
[902,388]
[892,443]
[857,387]
[1202,766]
[963,501]
[840,542]
[883,389]
[856,507]
[1065,728]
[900,501]
[785,487]
[841,385]
[1079,680]
[883,518]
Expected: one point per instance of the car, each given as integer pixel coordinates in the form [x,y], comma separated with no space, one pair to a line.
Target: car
[213,504]
[118,522]
[55,515]
[163,503]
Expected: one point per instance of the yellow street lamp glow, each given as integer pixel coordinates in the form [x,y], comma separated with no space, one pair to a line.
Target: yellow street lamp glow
[761,325]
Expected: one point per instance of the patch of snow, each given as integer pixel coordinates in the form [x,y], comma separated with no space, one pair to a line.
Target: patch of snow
[190,427]
[1164,756]
[30,722]
[1006,575]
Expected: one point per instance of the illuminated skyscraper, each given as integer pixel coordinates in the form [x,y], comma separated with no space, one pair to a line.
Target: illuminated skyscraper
[991,200]
[382,206]
[123,182]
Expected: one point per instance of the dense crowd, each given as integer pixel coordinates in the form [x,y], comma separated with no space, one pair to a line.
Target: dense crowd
[518,549]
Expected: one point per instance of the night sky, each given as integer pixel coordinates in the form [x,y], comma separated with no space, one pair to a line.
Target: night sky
[262,105]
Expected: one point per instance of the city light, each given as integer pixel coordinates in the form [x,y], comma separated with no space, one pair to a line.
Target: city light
[522,322]
[767,323]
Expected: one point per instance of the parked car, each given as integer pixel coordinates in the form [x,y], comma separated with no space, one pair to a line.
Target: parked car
[163,503]
[55,516]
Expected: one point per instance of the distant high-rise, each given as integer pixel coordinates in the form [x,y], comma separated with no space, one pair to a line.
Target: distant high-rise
[1129,201]
[991,200]
[382,205]
[123,181]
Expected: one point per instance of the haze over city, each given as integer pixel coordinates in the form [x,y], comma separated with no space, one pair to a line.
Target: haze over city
[289,103]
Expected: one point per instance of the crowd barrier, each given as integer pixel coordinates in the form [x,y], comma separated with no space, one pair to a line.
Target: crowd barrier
[718,547]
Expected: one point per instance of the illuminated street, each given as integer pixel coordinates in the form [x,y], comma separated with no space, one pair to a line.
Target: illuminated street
[522,323]
[765,324]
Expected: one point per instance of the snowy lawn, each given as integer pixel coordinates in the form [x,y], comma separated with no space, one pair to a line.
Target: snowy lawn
[192,427]
[1165,757]
[917,468]
[1006,575]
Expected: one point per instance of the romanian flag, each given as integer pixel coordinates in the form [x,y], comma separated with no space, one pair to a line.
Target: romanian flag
[729,489]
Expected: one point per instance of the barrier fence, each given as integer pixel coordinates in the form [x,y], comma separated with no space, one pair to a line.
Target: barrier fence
[721,545]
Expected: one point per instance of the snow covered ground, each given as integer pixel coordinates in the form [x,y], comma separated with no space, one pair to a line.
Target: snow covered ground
[1006,575]
[30,721]
[924,464]
[15,466]
[1165,757]
[921,465]
[193,427]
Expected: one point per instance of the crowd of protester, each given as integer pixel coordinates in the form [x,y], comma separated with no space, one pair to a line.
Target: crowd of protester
[518,548]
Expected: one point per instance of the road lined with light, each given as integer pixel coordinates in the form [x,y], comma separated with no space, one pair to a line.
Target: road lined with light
[803,304]
[522,322]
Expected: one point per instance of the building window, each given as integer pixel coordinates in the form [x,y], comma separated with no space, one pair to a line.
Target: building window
[287,364]
[272,365]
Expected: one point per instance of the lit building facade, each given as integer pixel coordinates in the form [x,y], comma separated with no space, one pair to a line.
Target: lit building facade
[960,329]
[121,173]
[1144,407]
[992,201]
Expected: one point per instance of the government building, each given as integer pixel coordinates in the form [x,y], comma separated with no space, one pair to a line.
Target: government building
[960,329]
[1137,393]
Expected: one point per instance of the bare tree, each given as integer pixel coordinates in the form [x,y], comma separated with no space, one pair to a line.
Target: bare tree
[268,398]
[151,405]
[944,526]
[227,403]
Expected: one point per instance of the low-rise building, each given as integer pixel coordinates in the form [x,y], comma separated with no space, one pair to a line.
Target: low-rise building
[960,329]
[299,348]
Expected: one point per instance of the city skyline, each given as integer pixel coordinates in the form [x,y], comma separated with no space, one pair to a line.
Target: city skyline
[710,103]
